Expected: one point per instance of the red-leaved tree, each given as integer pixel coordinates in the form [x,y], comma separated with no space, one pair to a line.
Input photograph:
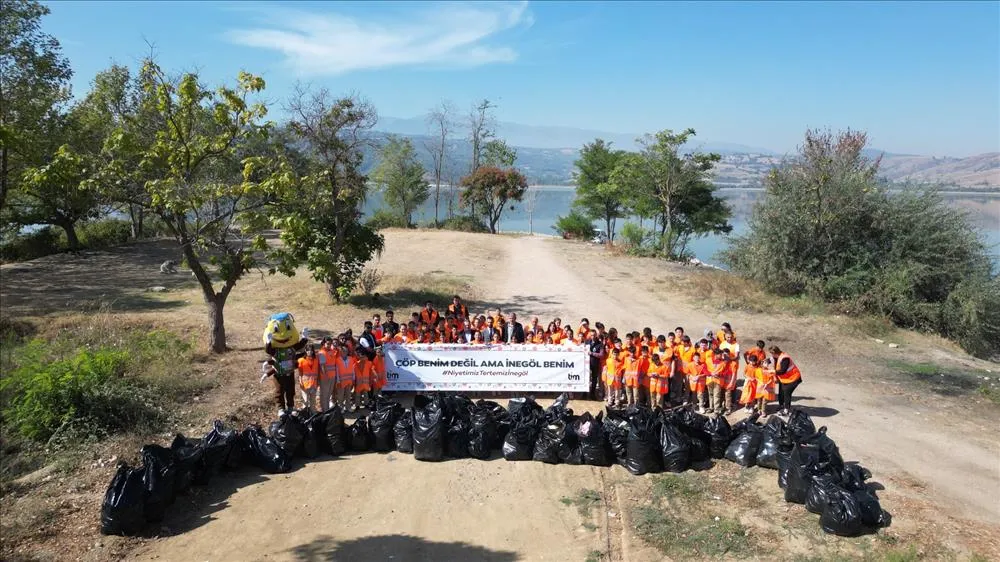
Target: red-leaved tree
[489,189]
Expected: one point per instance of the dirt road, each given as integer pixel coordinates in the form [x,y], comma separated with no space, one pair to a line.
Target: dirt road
[936,465]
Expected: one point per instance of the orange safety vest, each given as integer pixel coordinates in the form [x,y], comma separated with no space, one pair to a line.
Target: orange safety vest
[611,373]
[696,375]
[362,375]
[659,378]
[643,367]
[727,375]
[309,372]
[631,371]
[328,364]
[429,318]
[792,374]
[345,371]
[378,372]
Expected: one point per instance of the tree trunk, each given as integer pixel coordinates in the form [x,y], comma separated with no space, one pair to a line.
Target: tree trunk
[607,224]
[4,165]
[71,238]
[531,229]
[437,199]
[217,335]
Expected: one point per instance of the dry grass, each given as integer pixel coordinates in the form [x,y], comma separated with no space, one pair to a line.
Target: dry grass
[727,291]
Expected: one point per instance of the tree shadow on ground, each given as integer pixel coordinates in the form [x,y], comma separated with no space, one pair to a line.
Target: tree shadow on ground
[399,548]
[403,299]
[117,277]
[817,411]
[199,505]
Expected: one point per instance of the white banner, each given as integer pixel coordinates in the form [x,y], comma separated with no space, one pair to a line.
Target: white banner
[504,367]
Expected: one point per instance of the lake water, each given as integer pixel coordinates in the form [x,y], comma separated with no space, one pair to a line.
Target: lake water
[553,201]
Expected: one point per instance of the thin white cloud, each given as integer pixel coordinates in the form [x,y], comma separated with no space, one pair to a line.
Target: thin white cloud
[452,34]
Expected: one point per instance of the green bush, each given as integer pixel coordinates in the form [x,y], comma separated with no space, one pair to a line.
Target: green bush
[465,223]
[383,218]
[28,246]
[575,225]
[972,316]
[828,228]
[84,395]
[104,233]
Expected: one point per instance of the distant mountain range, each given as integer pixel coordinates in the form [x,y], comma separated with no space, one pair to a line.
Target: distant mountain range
[546,155]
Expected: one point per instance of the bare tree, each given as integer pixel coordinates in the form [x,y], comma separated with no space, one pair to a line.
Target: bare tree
[481,129]
[439,121]
[530,203]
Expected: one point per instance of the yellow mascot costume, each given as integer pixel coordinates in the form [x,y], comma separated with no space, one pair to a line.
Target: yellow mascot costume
[284,345]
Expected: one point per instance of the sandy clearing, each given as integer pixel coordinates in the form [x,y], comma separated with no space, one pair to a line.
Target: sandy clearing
[937,456]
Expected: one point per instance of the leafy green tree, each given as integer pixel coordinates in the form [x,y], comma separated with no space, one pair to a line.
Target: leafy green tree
[828,226]
[677,187]
[596,195]
[322,228]
[490,189]
[400,176]
[58,194]
[497,153]
[34,86]
[217,217]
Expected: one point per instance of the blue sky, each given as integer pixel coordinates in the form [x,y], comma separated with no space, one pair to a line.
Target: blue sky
[921,78]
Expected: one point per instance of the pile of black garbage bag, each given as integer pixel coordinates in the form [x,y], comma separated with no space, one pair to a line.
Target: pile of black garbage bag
[440,426]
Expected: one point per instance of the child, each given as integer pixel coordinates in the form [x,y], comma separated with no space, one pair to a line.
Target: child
[696,373]
[378,373]
[642,388]
[631,372]
[346,365]
[308,368]
[766,381]
[362,381]
[659,381]
[613,378]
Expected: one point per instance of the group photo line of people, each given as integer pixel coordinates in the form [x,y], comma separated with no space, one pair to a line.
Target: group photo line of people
[664,370]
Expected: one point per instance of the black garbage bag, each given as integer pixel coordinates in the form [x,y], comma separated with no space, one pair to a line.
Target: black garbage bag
[853,477]
[457,406]
[287,433]
[559,409]
[643,449]
[819,491]
[219,453]
[520,442]
[123,509]
[720,431]
[872,515]
[800,425]
[616,429]
[310,438]
[359,438]
[842,514]
[675,447]
[329,429]
[747,422]
[428,429]
[806,463]
[523,408]
[775,437]
[403,432]
[743,450]
[831,453]
[784,460]
[500,417]
[483,433]
[158,480]
[382,422]
[263,451]
[549,441]
[594,447]
[456,444]
[189,458]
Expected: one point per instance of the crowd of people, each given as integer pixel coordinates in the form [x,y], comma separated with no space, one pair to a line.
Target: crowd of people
[662,370]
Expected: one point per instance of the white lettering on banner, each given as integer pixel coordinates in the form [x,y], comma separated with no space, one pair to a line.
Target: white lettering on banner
[504,367]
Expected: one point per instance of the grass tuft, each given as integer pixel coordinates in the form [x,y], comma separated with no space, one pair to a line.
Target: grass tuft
[685,537]
[584,500]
